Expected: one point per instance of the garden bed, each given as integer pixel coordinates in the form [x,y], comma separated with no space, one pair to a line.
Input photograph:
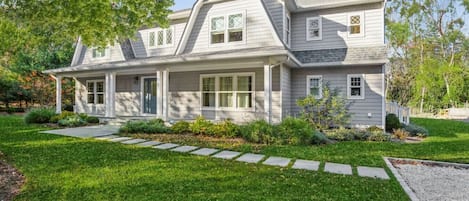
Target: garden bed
[11,181]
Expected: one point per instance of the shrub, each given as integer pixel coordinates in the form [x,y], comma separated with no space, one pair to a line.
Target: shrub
[374,128]
[39,116]
[83,116]
[379,136]
[258,132]
[224,129]
[341,134]
[148,127]
[200,126]
[156,121]
[392,122]
[68,107]
[295,131]
[92,120]
[415,130]
[320,138]
[63,115]
[72,121]
[181,127]
[400,134]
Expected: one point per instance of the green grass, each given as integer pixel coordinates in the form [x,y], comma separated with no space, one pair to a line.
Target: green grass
[62,168]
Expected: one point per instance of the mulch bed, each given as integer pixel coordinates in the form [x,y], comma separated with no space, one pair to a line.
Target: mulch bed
[397,162]
[11,181]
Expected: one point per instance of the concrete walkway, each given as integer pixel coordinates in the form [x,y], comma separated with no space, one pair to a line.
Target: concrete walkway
[86,132]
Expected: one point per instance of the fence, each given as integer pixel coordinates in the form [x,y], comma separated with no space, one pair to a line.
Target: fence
[403,113]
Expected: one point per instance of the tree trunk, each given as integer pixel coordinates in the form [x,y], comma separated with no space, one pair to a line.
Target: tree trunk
[421,101]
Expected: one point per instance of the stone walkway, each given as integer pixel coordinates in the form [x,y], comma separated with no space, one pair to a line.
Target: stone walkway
[308,165]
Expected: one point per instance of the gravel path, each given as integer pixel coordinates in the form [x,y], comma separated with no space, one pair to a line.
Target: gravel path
[436,183]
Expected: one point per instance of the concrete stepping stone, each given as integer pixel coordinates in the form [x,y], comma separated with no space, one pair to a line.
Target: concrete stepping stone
[120,139]
[337,168]
[227,155]
[306,165]
[204,152]
[372,172]
[251,158]
[184,149]
[149,144]
[107,137]
[277,161]
[166,146]
[134,141]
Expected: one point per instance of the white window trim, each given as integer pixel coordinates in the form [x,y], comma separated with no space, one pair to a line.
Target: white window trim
[308,85]
[226,29]
[308,36]
[107,54]
[287,28]
[362,86]
[165,45]
[95,93]
[235,92]
[362,24]
[142,80]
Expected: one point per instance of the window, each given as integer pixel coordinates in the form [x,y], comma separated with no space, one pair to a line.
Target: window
[355,87]
[161,38]
[287,29]
[228,91]
[314,28]
[314,85]
[95,90]
[228,28]
[355,24]
[99,53]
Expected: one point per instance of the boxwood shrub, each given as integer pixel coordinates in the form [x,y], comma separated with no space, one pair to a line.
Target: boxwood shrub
[39,116]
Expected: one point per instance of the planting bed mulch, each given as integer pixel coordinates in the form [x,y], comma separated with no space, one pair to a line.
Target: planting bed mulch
[11,181]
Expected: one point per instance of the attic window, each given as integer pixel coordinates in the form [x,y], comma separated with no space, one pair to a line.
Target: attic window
[161,38]
[314,28]
[356,24]
[99,53]
[229,28]
[235,27]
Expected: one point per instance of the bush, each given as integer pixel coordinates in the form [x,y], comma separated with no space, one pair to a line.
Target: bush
[258,132]
[374,128]
[392,122]
[400,134]
[200,126]
[92,120]
[320,138]
[181,127]
[341,134]
[147,127]
[63,115]
[224,129]
[415,130]
[68,107]
[72,121]
[295,131]
[39,116]
[379,136]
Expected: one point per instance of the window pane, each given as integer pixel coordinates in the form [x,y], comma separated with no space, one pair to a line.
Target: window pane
[99,86]
[355,91]
[235,21]
[355,19]
[160,37]
[218,38]
[226,100]
[355,81]
[218,24]
[90,98]
[314,82]
[314,91]
[208,99]
[152,39]
[355,29]
[169,36]
[313,23]
[244,100]
[100,99]
[226,83]
[236,36]
[90,87]
[208,84]
[244,83]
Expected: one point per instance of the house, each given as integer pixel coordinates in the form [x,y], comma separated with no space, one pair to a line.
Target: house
[239,59]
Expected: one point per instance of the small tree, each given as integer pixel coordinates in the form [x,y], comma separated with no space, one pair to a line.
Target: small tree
[330,110]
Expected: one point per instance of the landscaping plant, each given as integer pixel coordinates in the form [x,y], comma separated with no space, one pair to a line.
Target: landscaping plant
[259,131]
[148,127]
[39,116]
[392,122]
[201,126]
[295,131]
[415,130]
[400,134]
[72,121]
[225,128]
[181,127]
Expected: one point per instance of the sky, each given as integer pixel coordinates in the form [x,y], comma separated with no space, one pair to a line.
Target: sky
[182,4]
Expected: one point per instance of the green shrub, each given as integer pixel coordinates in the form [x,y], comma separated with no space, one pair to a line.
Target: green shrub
[379,136]
[295,131]
[83,116]
[392,122]
[400,134]
[374,128]
[341,134]
[320,138]
[224,129]
[200,126]
[156,121]
[181,127]
[258,132]
[72,121]
[63,115]
[92,120]
[39,116]
[415,130]
[147,127]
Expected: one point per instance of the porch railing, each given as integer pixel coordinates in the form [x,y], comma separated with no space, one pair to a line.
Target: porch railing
[403,113]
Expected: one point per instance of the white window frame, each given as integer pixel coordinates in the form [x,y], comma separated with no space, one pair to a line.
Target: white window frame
[362,24]
[362,86]
[165,35]
[308,85]
[95,93]
[308,36]
[107,54]
[287,29]
[226,29]
[235,91]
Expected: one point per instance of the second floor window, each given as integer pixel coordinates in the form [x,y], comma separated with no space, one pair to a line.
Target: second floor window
[356,24]
[160,38]
[287,29]
[314,28]
[99,53]
[228,28]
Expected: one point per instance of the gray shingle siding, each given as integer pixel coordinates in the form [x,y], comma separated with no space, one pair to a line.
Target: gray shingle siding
[341,55]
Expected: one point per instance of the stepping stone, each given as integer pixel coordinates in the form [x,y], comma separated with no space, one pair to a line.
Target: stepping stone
[120,139]
[277,161]
[204,152]
[184,149]
[227,154]
[149,144]
[337,168]
[306,165]
[250,158]
[166,146]
[107,137]
[372,172]
[134,141]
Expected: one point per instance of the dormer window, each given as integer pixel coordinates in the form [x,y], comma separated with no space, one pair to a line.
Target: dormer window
[356,24]
[160,38]
[99,53]
[229,28]
[314,28]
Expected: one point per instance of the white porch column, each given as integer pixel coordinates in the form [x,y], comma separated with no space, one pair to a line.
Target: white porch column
[58,95]
[159,94]
[110,97]
[165,93]
[268,92]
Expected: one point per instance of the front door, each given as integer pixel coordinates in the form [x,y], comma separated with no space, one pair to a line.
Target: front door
[149,95]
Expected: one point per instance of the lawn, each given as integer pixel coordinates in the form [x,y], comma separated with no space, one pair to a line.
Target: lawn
[62,168]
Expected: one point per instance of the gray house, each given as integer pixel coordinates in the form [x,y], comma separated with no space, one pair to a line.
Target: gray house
[239,59]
